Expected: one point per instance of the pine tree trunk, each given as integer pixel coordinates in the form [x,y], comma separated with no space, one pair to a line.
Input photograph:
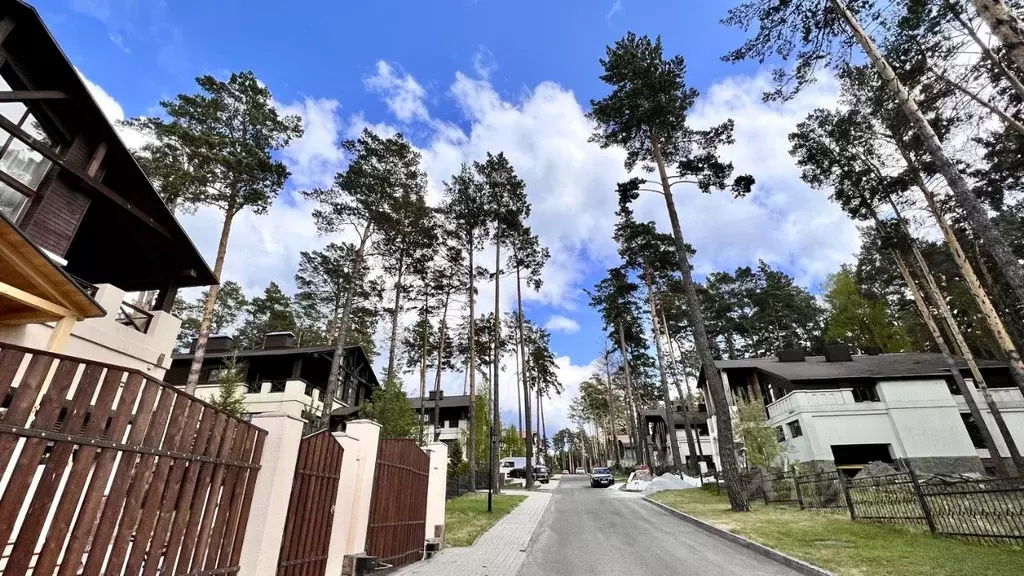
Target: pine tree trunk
[976,214]
[393,347]
[440,357]
[723,412]
[637,454]
[965,352]
[691,465]
[496,368]
[334,376]
[525,383]
[423,363]
[211,301]
[961,384]
[472,368]
[670,416]
[519,393]
[1004,25]
[612,427]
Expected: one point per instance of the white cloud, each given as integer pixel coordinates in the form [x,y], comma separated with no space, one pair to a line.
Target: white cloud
[615,9]
[403,94]
[484,62]
[314,158]
[114,113]
[559,323]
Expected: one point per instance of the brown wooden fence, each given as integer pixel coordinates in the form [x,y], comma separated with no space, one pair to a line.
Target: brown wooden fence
[398,507]
[115,472]
[307,531]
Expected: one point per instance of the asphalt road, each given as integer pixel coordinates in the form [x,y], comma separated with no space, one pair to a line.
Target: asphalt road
[601,531]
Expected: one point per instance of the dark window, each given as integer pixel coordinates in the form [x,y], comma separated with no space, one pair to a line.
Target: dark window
[865,393]
[953,388]
[214,374]
[253,387]
[309,389]
[19,161]
[780,434]
[277,386]
[794,429]
[453,423]
[972,430]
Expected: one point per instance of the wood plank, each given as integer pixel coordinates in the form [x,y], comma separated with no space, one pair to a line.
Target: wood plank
[229,494]
[10,361]
[250,485]
[214,505]
[81,467]
[284,555]
[158,550]
[33,301]
[115,496]
[193,548]
[21,405]
[23,95]
[97,158]
[310,504]
[6,25]
[177,547]
[56,465]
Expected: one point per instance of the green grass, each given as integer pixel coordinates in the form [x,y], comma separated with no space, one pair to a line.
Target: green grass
[835,543]
[466,517]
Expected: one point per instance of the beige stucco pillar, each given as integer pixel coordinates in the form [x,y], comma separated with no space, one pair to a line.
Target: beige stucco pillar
[273,488]
[368,434]
[436,487]
[352,461]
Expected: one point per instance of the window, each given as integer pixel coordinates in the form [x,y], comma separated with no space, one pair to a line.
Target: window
[953,388]
[865,393]
[780,434]
[253,387]
[453,423]
[214,375]
[794,429]
[277,386]
[309,390]
[18,161]
[973,431]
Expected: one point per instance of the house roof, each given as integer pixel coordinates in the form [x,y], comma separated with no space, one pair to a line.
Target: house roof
[327,351]
[461,401]
[160,253]
[677,417]
[899,365]
[36,289]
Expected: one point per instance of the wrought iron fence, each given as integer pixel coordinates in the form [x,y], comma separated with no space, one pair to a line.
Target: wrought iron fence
[459,484]
[822,491]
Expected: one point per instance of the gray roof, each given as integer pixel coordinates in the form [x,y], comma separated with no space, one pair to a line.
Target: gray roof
[677,417]
[863,366]
[461,401]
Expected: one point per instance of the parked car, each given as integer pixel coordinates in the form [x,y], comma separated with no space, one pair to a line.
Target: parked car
[601,477]
[581,470]
[540,473]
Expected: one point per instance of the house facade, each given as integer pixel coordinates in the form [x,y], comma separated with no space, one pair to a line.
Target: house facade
[82,229]
[280,377]
[843,411]
[452,425]
[660,442]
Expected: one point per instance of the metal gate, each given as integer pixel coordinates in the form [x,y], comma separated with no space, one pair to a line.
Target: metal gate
[114,472]
[398,507]
[307,529]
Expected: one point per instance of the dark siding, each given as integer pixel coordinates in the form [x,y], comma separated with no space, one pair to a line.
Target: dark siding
[59,205]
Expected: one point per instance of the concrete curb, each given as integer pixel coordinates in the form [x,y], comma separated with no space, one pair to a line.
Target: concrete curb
[785,559]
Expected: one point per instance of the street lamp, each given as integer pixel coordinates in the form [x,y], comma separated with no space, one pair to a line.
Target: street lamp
[490,464]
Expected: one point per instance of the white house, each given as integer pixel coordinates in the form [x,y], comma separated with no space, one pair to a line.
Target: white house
[842,410]
[453,423]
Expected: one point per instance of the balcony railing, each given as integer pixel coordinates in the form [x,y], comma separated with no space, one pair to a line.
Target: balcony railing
[133,317]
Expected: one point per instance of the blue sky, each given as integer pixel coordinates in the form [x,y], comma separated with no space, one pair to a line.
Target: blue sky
[460,78]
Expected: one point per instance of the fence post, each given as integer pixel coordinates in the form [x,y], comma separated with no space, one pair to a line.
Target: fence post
[846,494]
[921,499]
[796,485]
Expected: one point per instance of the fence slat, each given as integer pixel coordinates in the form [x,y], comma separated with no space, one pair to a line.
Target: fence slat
[398,507]
[237,536]
[193,547]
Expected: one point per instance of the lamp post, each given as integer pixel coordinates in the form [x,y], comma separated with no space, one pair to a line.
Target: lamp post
[490,461]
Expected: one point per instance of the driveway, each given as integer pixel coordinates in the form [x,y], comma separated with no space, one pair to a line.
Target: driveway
[605,531]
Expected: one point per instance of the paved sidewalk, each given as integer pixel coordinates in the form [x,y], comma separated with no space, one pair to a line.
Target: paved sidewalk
[498,552]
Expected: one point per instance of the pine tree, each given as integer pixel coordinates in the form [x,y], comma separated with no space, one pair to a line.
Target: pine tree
[215,148]
[646,114]
[389,407]
[230,397]
[271,312]
[230,306]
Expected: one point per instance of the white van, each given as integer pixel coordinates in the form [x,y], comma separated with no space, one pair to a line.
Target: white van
[508,465]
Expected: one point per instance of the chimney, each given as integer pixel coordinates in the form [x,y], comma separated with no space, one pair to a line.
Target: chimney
[838,353]
[790,355]
[436,395]
[872,350]
[217,343]
[278,340]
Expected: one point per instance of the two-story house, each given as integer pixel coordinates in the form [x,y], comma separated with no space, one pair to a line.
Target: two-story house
[842,410]
[658,436]
[453,423]
[280,377]
[81,226]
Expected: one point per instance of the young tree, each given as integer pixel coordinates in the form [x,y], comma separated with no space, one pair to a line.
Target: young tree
[215,148]
[230,397]
[231,304]
[271,312]
[646,114]
[816,31]
[512,442]
[380,171]
[760,439]
[508,208]
[389,407]
[466,209]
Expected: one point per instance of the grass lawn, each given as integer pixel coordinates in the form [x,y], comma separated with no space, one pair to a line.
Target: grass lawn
[835,543]
[466,517]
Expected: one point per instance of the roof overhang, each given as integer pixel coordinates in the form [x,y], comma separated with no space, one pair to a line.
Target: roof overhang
[33,288]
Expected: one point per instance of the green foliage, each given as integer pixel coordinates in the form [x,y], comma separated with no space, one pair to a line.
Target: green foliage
[512,442]
[760,439]
[231,304]
[271,312]
[457,464]
[230,396]
[483,429]
[855,320]
[389,407]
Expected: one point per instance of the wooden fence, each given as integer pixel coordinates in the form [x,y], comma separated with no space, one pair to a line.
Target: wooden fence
[307,532]
[115,472]
[398,508]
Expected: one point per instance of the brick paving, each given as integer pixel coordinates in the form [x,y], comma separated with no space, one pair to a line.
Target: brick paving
[498,552]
